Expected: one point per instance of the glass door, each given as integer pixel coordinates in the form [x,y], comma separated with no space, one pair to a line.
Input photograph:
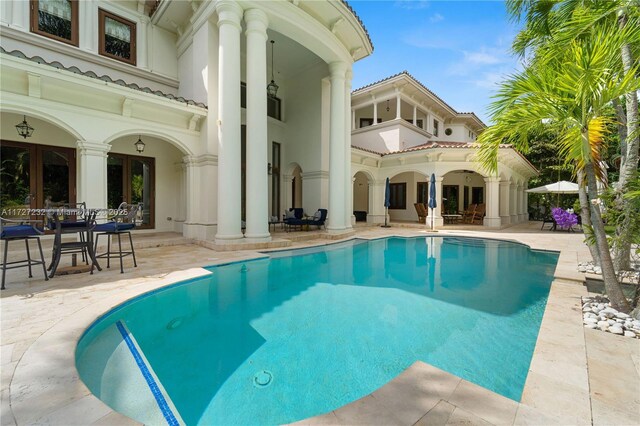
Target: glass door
[132,179]
[33,174]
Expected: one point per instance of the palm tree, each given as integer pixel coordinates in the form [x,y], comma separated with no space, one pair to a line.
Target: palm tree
[567,87]
[560,21]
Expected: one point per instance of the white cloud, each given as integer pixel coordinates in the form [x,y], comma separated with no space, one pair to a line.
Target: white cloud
[436,18]
[483,58]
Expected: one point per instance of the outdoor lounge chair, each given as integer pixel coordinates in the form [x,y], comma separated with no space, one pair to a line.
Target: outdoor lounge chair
[467,215]
[294,221]
[478,214]
[318,219]
[421,210]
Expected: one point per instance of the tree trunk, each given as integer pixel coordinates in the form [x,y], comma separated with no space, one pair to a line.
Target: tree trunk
[628,163]
[585,216]
[611,284]
[622,131]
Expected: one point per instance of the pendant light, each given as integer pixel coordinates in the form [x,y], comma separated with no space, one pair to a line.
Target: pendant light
[139,145]
[24,129]
[272,88]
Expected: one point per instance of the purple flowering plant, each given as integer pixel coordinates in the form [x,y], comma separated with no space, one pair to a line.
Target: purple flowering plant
[563,218]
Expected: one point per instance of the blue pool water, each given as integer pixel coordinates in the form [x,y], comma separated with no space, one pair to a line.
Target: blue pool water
[301,333]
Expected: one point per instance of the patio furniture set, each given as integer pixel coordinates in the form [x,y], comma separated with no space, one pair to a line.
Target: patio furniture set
[70,219]
[295,218]
[472,215]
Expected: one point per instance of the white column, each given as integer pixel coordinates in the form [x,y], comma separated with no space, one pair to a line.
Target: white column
[375,110]
[376,202]
[492,214]
[526,202]
[348,193]
[353,117]
[142,43]
[505,218]
[337,169]
[20,14]
[415,115]
[398,102]
[229,202]
[513,199]
[92,174]
[257,153]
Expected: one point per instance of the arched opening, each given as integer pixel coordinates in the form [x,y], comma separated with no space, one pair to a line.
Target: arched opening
[361,196]
[296,187]
[407,189]
[461,189]
[154,177]
[38,168]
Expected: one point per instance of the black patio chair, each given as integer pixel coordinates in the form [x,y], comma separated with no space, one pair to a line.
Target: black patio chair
[21,230]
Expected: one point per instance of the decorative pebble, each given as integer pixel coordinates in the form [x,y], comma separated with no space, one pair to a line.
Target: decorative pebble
[598,314]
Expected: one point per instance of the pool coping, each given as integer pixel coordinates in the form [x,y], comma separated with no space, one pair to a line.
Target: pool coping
[40,377]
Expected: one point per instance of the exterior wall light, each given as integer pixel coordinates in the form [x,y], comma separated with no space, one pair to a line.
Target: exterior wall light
[272,88]
[139,145]
[24,129]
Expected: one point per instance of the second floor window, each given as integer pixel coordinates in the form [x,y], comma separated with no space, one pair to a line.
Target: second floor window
[435,127]
[117,37]
[56,19]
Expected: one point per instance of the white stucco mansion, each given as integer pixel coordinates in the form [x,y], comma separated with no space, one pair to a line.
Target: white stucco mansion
[165,103]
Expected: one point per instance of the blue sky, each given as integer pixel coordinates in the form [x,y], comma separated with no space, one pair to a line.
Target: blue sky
[458,49]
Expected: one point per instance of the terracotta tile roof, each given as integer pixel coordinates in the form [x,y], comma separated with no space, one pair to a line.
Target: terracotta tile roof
[415,80]
[91,74]
[355,15]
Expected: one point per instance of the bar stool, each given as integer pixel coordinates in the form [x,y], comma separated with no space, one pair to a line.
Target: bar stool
[21,230]
[121,223]
[84,246]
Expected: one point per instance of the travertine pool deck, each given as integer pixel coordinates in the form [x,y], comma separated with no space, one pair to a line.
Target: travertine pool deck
[577,376]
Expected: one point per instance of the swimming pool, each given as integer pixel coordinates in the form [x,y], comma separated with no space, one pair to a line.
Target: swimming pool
[303,332]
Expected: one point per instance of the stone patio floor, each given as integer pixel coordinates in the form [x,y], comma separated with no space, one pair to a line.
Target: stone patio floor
[577,375]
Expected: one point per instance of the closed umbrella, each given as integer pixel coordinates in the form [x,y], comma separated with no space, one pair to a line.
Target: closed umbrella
[387,202]
[432,196]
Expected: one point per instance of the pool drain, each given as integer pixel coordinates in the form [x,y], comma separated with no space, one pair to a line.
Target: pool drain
[174,323]
[262,379]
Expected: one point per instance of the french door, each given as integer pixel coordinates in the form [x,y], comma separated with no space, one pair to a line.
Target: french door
[30,174]
[131,178]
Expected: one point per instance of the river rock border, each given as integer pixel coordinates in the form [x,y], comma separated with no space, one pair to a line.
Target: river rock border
[597,313]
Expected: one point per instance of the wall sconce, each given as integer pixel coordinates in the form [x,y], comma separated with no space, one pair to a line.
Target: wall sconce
[388,108]
[24,129]
[269,169]
[139,145]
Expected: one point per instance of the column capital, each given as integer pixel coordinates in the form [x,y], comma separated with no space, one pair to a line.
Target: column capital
[229,12]
[257,22]
[200,160]
[93,148]
[492,179]
[337,69]
[504,183]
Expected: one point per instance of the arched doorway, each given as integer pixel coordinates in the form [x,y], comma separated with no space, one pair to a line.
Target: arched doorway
[153,177]
[35,169]
[361,197]
[296,187]
[407,189]
[461,188]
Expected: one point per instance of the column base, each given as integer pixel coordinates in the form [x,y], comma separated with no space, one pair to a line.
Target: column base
[505,220]
[437,221]
[261,238]
[514,219]
[229,239]
[375,218]
[199,231]
[492,222]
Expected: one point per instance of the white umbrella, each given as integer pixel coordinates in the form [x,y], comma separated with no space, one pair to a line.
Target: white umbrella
[562,187]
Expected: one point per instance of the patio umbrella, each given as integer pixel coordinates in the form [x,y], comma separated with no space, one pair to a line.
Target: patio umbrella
[562,187]
[387,202]
[432,196]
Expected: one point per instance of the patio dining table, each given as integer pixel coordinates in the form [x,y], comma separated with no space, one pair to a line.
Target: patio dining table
[81,228]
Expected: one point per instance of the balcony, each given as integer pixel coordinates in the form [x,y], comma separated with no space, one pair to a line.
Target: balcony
[390,136]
